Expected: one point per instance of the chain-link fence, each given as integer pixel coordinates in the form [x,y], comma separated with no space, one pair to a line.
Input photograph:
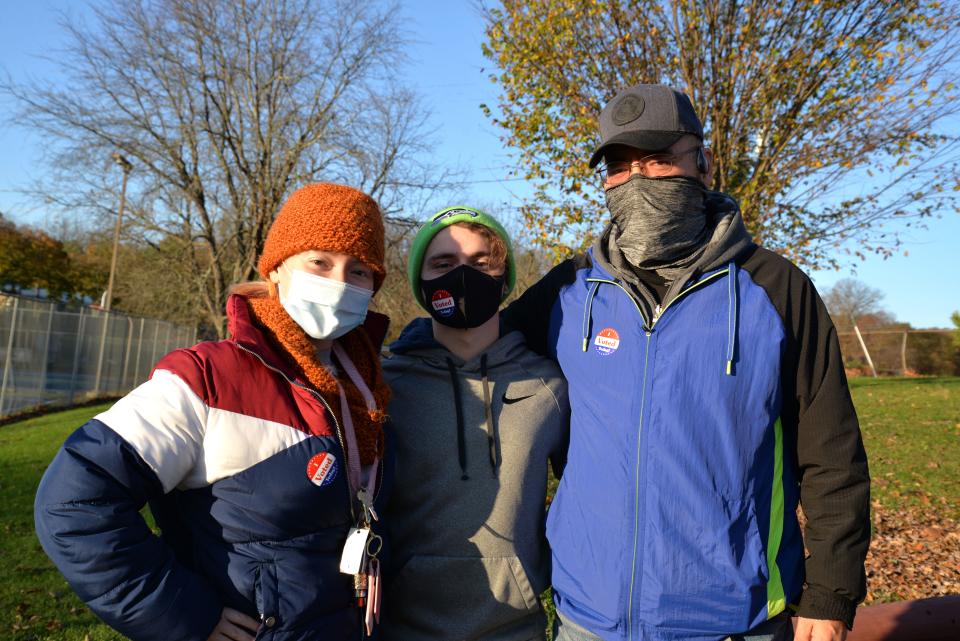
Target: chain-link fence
[52,356]
[900,352]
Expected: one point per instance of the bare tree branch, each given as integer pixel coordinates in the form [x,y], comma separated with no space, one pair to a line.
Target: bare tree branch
[224,107]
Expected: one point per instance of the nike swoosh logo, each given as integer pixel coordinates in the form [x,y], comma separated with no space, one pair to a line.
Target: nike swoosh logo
[508,401]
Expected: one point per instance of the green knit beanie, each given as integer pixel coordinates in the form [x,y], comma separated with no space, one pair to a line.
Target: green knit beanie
[445,218]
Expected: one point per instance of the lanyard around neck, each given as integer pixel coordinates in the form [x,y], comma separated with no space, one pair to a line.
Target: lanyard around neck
[354,472]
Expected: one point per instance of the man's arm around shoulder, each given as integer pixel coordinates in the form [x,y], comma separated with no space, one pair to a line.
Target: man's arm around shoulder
[530,313]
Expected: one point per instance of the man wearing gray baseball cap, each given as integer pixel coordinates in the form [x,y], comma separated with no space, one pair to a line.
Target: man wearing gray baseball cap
[708,400]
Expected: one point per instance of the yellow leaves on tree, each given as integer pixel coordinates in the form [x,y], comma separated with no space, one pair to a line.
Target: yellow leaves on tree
[797,106]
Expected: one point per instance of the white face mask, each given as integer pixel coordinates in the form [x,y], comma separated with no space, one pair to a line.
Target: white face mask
[325,308]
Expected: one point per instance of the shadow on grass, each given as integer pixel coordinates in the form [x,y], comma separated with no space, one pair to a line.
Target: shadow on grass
[53,408]
[865,381]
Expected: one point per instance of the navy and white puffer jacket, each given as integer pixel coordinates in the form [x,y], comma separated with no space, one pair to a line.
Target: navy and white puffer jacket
[244,470]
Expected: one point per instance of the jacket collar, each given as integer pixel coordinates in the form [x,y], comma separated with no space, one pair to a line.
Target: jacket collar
[245,333]
[248,335]
[416,340]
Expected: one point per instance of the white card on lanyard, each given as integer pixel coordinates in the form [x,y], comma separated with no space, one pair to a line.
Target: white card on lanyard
[351,561]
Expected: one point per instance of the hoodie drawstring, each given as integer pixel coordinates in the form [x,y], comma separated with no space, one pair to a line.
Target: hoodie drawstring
[732,316]
[492,439]
[488,417]
[458,403]
[588,315]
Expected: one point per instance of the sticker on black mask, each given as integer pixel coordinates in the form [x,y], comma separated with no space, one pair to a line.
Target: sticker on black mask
[464,297]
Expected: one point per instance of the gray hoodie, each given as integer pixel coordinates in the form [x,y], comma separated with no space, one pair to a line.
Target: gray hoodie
[466,514]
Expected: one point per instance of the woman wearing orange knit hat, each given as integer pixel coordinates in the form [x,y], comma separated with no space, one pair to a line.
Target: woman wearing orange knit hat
[259,455]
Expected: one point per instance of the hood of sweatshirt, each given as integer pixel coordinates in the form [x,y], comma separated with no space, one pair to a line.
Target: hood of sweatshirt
[417,341]
[728,240]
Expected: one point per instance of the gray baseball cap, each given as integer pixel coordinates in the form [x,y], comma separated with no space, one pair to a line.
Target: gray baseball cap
[648,117]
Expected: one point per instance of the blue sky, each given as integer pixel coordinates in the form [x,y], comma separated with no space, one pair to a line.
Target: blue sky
[448,70]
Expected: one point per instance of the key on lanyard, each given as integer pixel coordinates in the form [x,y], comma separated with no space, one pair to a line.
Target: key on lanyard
[366,500]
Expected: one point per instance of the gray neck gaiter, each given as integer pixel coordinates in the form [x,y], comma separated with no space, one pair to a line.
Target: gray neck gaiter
[660,224]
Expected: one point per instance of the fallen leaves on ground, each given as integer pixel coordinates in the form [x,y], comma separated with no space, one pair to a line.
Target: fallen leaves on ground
[914,553]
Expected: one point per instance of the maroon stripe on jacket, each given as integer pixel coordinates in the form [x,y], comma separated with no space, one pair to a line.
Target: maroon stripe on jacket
[227,377]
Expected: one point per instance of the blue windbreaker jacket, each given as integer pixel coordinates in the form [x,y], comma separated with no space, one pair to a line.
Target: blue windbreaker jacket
[692,439]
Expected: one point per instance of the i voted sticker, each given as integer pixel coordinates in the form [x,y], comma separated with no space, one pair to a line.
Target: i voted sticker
[322,469]
[607,341]
[443,302]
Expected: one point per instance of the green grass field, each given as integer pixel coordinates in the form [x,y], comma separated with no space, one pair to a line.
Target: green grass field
[911,428]
[35,601]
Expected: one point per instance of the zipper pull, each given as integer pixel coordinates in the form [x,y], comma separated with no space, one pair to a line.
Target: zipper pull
[656,316]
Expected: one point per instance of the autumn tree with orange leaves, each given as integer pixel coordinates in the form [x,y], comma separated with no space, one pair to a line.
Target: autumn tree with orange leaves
[826,117]
[29,258]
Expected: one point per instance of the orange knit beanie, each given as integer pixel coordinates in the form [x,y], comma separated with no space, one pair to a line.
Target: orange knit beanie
[327,217]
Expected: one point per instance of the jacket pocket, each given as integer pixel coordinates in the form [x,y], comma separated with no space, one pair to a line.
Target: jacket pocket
[266,595]
[434,597]
[712,571]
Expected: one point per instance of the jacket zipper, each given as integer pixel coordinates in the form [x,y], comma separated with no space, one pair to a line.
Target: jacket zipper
[646,326]
[683,293]
[336,423]
[648,330]
[636,492]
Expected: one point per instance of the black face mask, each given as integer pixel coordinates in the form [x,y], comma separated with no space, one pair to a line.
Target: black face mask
[464,297]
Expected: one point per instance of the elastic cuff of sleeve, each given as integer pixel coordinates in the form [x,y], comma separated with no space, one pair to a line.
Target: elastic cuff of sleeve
[818,603]
[191,614]
[196,613]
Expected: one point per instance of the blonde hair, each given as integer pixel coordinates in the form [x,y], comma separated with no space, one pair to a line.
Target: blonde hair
[254,289]
[496,245]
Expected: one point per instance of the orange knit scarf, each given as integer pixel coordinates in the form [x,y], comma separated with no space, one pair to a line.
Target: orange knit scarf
[269,314]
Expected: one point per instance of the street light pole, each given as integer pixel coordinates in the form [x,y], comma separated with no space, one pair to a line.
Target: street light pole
[105,321]
[126,167]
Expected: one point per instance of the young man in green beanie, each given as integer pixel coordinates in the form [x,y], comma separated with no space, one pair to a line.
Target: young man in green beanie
[476,417]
